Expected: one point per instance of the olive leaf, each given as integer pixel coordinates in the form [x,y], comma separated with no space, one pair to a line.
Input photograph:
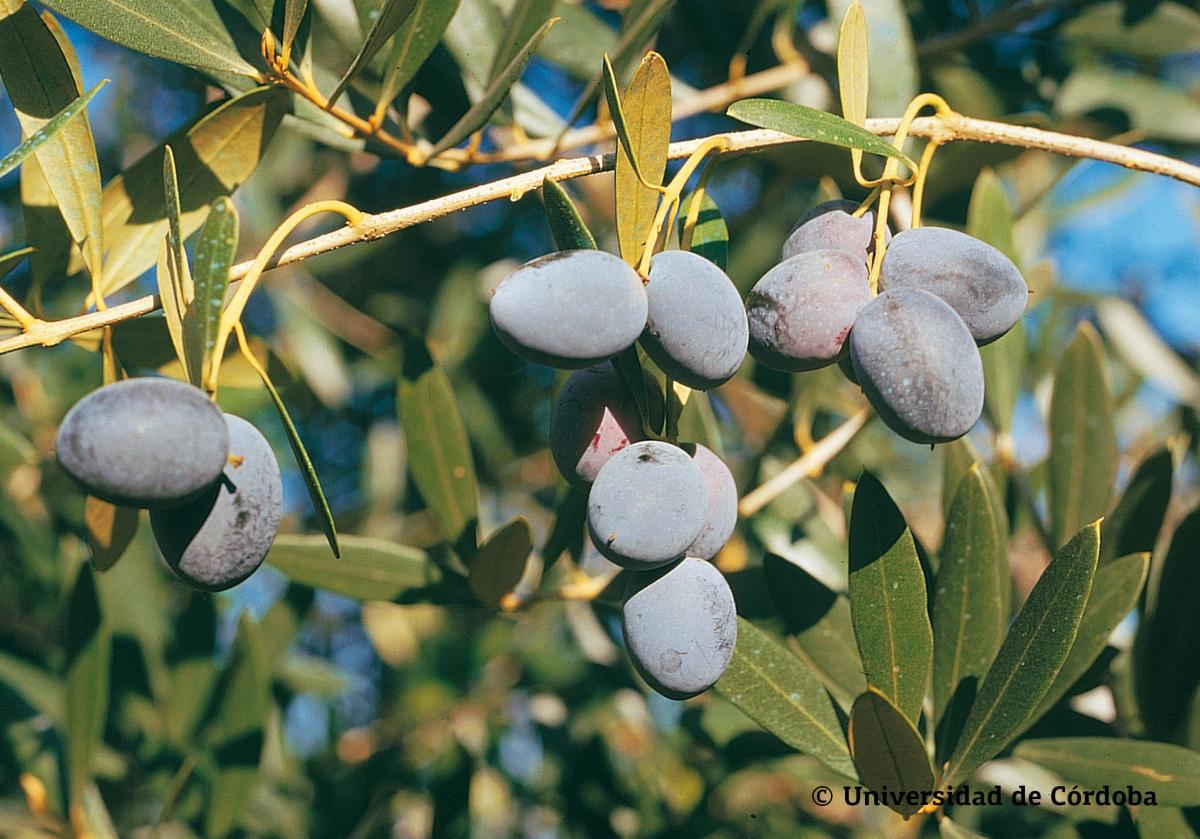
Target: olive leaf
[479,112]
[51,129]
[41,82]
[213,157]
[215,250]
[888,602]
[819,623]
[643,123]
[293,17]
[888,750]
[1171,772]
[780,693]
[520,25]
[1114,594]
[438,448]
[188,32]
[1038,643]
[1134,524]
[568,228]
[1166,673]
[1083,439]
[174,276]
[369,569]
[811,124]
[893,61]
[311,482]
[970,603]
[392,15]
[852,67]
[414,42]
[499,563]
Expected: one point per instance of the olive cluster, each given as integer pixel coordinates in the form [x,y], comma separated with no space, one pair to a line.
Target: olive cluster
[210,480]
[913,348]
[655,507]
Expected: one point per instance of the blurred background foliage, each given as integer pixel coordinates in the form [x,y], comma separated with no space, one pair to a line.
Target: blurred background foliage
[410,719]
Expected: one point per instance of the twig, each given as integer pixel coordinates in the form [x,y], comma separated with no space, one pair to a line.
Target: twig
[943,129]
[813,460]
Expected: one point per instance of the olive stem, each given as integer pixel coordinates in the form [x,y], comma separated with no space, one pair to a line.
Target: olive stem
[918,195]
[808,464]
[19,313]
[232,315]
[890,179]
[672,193]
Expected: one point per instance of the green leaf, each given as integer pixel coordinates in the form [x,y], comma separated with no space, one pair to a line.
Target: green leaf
[1133,526]
[520,25]
[40,82]
[893,61]
[780,693]
[439,453]
[1083,440]
[568,228]
[215,250]
[888,751]
[311,482]
[643,123]
[174,276]
[500,562]
[11,260]
[236,732]
[1158,32]
[392,15]
[213,157]
[50,130]
[1114,594]
[820,625]
[186,31]
[1003,362]
[1167,672]
[88,650]
[369,569]
[990,214]
[888,601]
[811,124]
[1172,773]
[293,17]
[853,66]
[970,612]
[1033,653]
[710,237]
[414,43]
[479,113]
